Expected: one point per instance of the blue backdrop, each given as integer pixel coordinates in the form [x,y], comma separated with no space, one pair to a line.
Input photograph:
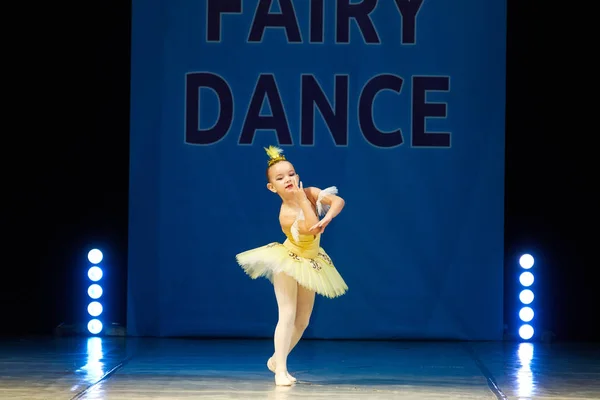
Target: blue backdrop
[400,104]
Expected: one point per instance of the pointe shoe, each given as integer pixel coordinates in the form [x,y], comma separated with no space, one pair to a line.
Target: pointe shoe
[271,366]
[282,379]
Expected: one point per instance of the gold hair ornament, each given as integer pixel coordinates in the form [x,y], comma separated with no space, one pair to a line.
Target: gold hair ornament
[275,155]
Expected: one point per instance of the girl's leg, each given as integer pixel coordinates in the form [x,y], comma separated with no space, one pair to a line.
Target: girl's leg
[286,290]
[304,307]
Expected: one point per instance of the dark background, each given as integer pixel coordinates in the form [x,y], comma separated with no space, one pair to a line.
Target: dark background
[66,173]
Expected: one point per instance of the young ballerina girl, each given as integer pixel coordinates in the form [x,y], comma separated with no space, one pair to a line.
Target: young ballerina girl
[299,267]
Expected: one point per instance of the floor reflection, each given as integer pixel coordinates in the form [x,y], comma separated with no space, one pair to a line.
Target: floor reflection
[94,368]
[525,381]
[131,369]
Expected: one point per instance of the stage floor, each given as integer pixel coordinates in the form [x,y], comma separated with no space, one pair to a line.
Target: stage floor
[137,368]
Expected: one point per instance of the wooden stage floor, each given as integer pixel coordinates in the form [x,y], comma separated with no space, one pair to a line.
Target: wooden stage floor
[140,368]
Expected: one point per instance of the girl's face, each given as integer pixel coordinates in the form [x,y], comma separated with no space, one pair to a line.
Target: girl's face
[282,177]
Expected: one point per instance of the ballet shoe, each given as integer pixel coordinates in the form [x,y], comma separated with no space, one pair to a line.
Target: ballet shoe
[282,379]
[271,366]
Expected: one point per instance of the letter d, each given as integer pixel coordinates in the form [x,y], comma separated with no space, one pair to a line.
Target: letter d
[193,82]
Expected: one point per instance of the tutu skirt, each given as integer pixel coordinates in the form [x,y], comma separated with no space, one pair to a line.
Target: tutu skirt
[311,268]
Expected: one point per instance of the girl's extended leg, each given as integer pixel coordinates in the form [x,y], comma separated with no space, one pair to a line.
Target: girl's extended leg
[286,290]
[304,307]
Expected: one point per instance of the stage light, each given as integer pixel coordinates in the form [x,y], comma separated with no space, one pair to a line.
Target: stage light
[526,332]
[95,291]
[95,273]
[526,296]
[526,279]
[526,314]
[95,308]
[526,261]
[95,256]
[94,326]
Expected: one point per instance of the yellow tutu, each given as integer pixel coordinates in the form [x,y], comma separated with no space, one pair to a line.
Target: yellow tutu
[300,257]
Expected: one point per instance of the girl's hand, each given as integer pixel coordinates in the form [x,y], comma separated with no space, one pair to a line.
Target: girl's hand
[321,225]
[298,192]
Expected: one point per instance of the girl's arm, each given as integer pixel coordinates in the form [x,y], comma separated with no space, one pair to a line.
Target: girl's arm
[300,223]
[334,202]
[303,223]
